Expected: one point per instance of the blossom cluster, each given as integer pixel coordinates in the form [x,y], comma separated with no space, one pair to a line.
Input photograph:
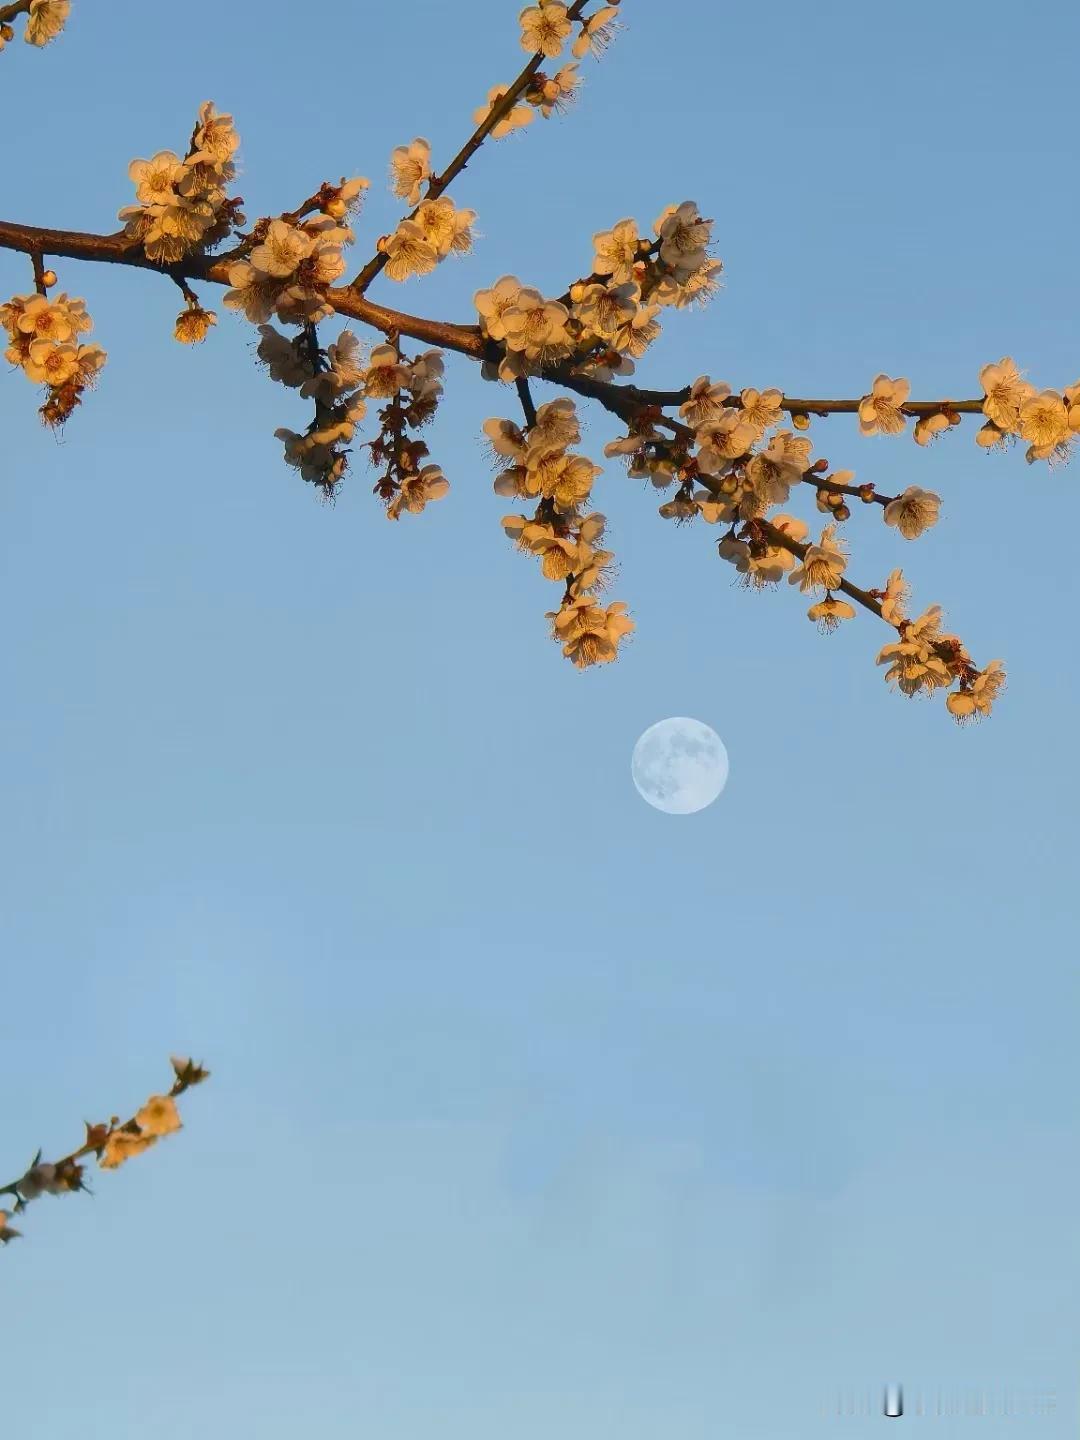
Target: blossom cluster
[43,340]
[290,262]
[341,381]
[545,30]
[412,389]
[1049,420]
[559,533]
[605,322]
[111,1143]
[733,464]
[333,379]
[44,21]
[181,205]
[924,660]
[435,229]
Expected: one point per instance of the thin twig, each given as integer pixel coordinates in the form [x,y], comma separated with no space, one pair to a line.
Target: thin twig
[438,183]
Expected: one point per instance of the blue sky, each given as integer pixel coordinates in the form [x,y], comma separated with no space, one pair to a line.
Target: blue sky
[533,1108]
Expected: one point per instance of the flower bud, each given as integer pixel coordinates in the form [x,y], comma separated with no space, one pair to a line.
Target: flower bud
[48,279]
[801,421]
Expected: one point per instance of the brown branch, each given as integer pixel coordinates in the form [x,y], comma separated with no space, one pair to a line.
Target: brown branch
[120,249]
[622,400]
[778,539]
[9,12]
[438,183]
[528,406]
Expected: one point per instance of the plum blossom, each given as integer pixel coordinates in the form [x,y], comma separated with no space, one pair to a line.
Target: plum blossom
[913,512]
[822,565]
[617,251]
[596,33]
[408,251]
[895,597]
[880,410]
[410,167]
[45,20]
[159,1116]
[417,491]
[828,613]
[517,117]
[589,633]
[1005,390]
[545,28]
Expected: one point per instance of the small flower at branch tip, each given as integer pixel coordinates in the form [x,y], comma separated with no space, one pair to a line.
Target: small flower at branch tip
[417,491]
[589,633]
[187,1072]
[193,324]
[155,180]
[975,699]
[913,512]
[545,28]
[617,252]
[828,613]
[683,236]
[7,1232]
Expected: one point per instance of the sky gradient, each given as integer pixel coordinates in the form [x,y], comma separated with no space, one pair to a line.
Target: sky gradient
[535,1110]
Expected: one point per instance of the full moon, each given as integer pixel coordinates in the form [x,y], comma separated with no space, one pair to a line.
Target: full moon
[679,765]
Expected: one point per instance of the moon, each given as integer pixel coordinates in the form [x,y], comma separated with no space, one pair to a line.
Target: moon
[679,765]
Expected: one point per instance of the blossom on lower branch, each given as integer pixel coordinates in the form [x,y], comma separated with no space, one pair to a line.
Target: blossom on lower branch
[111,1143]
[924,659]
[590,633]
[43,340]
[181,205]
[560,532]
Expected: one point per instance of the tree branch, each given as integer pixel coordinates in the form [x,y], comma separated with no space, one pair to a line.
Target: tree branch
[622,400]
[438,183]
